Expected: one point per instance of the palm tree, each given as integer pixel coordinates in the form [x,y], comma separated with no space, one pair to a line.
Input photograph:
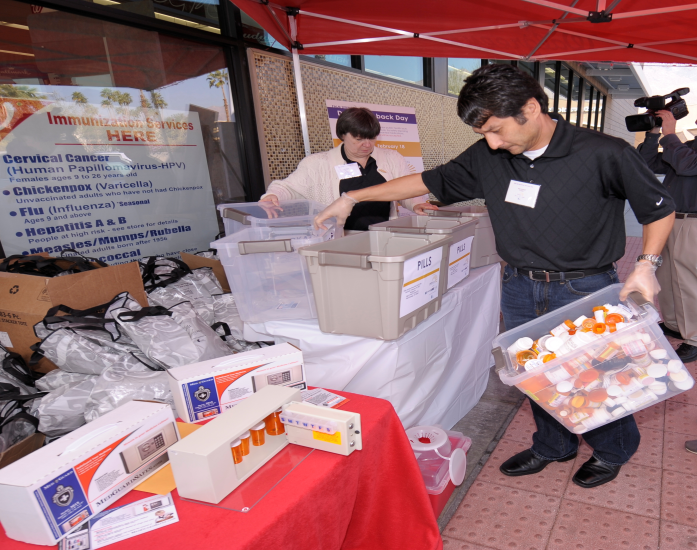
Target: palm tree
[20,92]
[144,103]
[157,100]
[219,79]
[79,98]
[109,96]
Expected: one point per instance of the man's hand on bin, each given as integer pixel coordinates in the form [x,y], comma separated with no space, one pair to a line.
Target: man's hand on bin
[419,208]
[642,279]
[340,209]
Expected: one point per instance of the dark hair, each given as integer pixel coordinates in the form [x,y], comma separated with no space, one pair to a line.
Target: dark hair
[360,122]
[498,90]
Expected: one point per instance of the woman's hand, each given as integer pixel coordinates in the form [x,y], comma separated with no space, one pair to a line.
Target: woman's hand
[419,208]
[271,205]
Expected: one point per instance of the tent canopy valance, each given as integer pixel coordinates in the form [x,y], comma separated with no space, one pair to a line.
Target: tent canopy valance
[580,30]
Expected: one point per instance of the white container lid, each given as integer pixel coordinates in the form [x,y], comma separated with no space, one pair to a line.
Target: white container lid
[258,427]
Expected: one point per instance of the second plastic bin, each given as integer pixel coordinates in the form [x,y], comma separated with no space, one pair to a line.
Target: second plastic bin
[614,375]
[246,215]
[460,229]
[377,284]
[484,245]
[267,276]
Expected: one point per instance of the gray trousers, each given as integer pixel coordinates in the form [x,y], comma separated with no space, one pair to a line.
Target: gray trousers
[678,279]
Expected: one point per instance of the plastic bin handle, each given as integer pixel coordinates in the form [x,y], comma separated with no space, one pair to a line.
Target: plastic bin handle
[264,247]
[236,215]
[638,299]
[445,213]
[499,361]
[343,260]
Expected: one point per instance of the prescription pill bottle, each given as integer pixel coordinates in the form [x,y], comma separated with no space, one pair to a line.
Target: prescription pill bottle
[258,436]
[521,344]
[244,438]
[524,356]
[236,447]
[273,423]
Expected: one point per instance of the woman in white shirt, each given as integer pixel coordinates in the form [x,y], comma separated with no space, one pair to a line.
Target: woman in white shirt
[355,164]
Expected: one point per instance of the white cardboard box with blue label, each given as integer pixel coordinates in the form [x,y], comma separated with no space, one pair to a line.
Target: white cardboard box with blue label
[50,492]
[204,390]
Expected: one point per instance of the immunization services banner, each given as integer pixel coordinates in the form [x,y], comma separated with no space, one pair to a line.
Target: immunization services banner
[111,185]
[398,129]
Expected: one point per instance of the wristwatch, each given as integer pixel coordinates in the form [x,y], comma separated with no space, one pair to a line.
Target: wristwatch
[656,260]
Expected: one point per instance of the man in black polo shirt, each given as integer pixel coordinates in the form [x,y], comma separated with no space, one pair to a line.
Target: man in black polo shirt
[555,194]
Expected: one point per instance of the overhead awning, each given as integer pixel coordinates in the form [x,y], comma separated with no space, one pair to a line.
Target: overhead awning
[581,30]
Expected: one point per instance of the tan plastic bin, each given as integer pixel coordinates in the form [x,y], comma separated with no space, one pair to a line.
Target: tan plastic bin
[377,284]
[462,231]
[484,246]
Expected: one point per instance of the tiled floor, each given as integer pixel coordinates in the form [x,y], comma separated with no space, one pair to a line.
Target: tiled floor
[652,504]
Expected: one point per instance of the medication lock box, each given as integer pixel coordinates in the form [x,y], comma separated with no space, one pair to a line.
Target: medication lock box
[322,428]
[604,375]
[215,459]
[204,390]
[48,493]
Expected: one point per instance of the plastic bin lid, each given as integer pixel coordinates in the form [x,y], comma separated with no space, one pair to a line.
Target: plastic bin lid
[242,212]
[423,224]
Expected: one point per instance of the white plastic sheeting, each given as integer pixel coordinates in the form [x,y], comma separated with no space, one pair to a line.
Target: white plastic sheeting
[434,374]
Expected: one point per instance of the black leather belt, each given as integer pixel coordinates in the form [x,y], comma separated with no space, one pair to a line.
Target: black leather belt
[553,276]
[682,216]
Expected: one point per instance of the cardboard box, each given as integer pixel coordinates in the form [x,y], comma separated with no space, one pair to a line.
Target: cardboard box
[48,493]
[27,298]
[204,390]
[23,448]
[194,262]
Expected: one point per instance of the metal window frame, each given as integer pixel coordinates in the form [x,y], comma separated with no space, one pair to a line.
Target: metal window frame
[597,110]
[557,86]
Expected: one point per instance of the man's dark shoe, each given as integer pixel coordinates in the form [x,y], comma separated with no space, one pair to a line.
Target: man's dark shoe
[526,463]
[687,353]
[670,332]
[594,473]
[691,446]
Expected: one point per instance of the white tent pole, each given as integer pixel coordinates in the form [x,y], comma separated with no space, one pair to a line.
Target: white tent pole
[299,85]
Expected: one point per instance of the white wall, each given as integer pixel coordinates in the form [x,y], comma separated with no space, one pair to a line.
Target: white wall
[615,112]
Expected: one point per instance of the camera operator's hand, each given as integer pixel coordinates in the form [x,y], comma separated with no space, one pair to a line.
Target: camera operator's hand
[668,122]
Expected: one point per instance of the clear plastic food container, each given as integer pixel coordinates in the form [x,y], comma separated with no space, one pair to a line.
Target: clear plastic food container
[613,375]
[239,216]
[269,279]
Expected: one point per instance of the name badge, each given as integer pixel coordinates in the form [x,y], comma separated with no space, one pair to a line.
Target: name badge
[524,194]
[346,171]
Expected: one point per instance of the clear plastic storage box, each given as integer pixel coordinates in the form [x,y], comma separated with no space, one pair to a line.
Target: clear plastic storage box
[269,279]
[484,245]
[239,216]
[460,229]
[377,284]
[613,375]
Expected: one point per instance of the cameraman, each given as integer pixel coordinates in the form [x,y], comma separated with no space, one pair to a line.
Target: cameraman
[678,274]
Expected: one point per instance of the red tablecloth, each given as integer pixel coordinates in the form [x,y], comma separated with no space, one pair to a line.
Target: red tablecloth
[373,499]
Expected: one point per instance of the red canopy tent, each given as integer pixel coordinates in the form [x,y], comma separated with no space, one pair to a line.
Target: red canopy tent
[581,30]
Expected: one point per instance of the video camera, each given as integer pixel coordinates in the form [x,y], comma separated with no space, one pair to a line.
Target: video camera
[647,121]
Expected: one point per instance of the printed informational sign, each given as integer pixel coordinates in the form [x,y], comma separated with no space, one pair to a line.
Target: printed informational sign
[421,280]
[124,522]
[111,185]
[398,129]
[459,261]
